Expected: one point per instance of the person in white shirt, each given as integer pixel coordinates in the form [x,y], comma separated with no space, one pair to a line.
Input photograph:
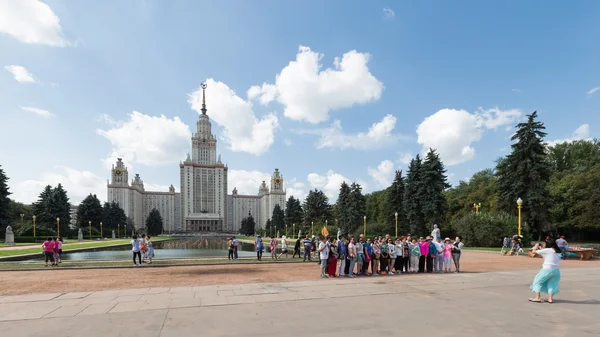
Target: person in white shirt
[323,255]
[546,281]
[284,247]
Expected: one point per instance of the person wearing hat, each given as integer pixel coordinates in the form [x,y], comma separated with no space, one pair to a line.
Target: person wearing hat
[431,254]
[447,255]
[563,245]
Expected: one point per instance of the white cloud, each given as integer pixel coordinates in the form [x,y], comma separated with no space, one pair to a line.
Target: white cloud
[383,173]
[147,140]
[296,189]
[593,90]
[78,184]
[388,13]
[405,158]
[581,133]
[246,182]
[242,130]
[288,142]
[39,112]
[379,134]
[21,74]
[31,22]
[452,132]
[330,183]
[309,93]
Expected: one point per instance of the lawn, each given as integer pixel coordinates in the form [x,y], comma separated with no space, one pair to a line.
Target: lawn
[67,246]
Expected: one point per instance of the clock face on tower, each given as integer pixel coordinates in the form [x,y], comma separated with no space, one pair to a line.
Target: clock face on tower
[278,180]
[118,172]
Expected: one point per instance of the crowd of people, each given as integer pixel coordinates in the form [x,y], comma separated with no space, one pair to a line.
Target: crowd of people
[356,256]
[142,249]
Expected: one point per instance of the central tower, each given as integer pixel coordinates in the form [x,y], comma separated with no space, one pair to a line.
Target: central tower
[204,143]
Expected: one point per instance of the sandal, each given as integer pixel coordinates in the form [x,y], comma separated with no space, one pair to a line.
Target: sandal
[536,301]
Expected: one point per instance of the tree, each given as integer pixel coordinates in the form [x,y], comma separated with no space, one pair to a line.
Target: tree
[487,229]
[278,218]
[357,208]
[343,204]
[89,209]
[482,189]
[316,209]
[40,209]
[395,204]
[248,225]
[377,207]
[154,223]
[5,217]
[113,215]
[525,174]
[268,227]
[130,225]
[58,206]
[293,212]
[412,197]
[18,208]
[434,182]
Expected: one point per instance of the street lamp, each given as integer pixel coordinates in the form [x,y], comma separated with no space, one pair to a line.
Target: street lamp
[519,206]
[396,215]
[90,228]
[100,230]
[118,230]
[293,229]
[476,206]
[365,225]
[58,227]
[286,230]
[312,228]
[22,216]
[34,227]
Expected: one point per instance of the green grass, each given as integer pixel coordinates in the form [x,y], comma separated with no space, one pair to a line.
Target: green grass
[18,244]
[69,246]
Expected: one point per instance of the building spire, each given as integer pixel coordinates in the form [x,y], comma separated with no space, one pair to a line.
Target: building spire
[203,86]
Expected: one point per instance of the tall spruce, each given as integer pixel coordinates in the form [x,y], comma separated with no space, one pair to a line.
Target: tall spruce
[293,212]
[343,204]
[5,217]
[154,222]
[113,215]
[40,209]
[525,173]
[316,209]
[412,197]
[90,209]
[278,218]
[434,183]
[395,204]
[59,207]
[357,207]
[248,226]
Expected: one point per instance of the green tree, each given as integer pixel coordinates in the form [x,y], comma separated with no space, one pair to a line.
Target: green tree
[293,212]
[18,208]
[154,223]
[130,226]
[377,207]
[576,156]
[357,207]
[316,209]
[113,215]
[90,209]
[342,207]
[248,225]
[395,205]
[278,218]
[434,183]
[412,197]
[487,229]
[482,189]
[40,209]
[58,206]
[525,174]
[5,217]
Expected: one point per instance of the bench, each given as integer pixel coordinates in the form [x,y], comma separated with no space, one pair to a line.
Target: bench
[584,254]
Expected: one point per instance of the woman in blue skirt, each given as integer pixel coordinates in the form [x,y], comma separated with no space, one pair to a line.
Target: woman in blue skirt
[546,281]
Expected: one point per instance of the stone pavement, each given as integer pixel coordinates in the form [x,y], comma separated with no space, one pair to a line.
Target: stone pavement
[466,304]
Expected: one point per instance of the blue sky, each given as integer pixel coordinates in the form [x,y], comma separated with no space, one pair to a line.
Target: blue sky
[456,76]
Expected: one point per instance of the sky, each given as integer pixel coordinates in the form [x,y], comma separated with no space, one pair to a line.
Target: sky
[325,91]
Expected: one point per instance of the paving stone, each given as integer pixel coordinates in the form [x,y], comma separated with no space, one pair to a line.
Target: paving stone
[97,309]
[158,290]
[126,307]
[70,296]
[127,298]
[184,302]
[29,298]
[69,311]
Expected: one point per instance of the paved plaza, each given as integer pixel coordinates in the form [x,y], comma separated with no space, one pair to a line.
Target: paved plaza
[466,304]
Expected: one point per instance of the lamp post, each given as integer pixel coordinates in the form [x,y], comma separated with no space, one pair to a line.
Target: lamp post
[293,229]
[90,229]
[118,230]
[396,215]
[100,230]
[365,225]
[58,227]
[326,225]
[476,206]
[34,236]
[286,230]
[312,228]
[519,206]
[22,216]
[125,230]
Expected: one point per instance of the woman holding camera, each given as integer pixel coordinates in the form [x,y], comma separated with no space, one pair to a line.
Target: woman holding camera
[546,281]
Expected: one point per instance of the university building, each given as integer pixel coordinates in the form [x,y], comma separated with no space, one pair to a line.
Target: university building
[203,204]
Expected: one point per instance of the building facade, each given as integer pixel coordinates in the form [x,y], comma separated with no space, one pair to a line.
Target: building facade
[203,204]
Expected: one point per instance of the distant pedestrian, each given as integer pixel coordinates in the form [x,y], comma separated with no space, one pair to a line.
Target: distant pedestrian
[59,242]
[273,248]
[546,281]
[297,249]
[230,249]
[307,247]
[149,249]
[135,249]
[457,252]
[48,247]
[323,256]
[258,243]
[284,247]
[563,245]
[236,244]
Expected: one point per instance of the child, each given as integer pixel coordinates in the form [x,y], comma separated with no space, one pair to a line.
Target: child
[447,255]
[149,249]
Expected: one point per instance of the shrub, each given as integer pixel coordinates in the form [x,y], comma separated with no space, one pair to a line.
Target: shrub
[40,231]
[488,229]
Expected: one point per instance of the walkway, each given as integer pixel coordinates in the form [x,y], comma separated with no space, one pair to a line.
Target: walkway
[482,304]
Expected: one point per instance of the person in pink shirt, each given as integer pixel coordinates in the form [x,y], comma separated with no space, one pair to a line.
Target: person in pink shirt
[48,247]
[424,246]
[447,251]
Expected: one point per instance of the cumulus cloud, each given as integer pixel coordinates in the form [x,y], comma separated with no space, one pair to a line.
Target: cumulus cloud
[593,90]
[31,22]
[147,139]
[581,133]
[21,74]
[37,111]
[383,173]
[379,134]
[388,13]
[296,189]
[405,158]
[246,182]
[309,93]
[242,130]
[78,184]
[452,132]
[330,183]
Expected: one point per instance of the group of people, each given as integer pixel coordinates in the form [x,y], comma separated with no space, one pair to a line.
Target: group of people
[260,247]
[142,249]
[385,255]
[232,247]
[52,249]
